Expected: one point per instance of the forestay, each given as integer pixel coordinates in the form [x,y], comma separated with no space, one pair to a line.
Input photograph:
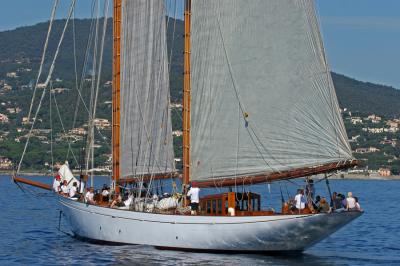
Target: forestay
[146,134]
[263,100]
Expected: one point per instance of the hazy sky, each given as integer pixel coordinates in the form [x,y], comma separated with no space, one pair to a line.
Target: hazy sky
[362,37]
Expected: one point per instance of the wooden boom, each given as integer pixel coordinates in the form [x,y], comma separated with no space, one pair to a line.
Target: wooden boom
[31,183]
[276,176]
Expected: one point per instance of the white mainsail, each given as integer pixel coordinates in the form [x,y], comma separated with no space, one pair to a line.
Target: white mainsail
[146,132]
[262,96]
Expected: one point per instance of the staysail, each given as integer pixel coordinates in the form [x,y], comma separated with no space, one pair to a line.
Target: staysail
[146,132]
[262,97]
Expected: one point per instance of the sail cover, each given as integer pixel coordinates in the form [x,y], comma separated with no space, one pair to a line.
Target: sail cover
[146,134]
[262,95]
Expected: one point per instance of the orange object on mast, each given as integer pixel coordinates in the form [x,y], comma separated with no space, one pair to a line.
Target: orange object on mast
[116,97]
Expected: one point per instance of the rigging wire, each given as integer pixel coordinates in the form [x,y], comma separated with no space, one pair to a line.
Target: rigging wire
[62,126]
[47,82]
[51,136]
[149,127]
[75,59]
[89,144]
[85,65]
[52,17]
[106,6]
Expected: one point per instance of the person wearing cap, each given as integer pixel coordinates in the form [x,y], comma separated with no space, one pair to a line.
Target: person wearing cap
[57,184]
[193,193]
[351,202]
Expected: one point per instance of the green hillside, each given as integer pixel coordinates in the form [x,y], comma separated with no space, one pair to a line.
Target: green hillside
[358,96]
[366,97]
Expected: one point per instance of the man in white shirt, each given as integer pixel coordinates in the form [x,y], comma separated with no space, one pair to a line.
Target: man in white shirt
[56,184]
[64,188]
[89,196]
[193,193]
[73,190]
[300,200]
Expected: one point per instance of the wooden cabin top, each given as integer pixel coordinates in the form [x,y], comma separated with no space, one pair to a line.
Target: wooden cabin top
[243,204]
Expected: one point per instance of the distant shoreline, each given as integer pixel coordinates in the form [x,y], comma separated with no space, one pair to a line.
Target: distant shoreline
[335,177]
[25,173]
[365,177]
[32,174]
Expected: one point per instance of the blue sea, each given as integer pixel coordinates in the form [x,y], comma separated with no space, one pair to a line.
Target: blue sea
[29,233]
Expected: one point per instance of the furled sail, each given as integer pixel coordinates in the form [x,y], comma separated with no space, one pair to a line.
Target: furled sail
[146,134]
[262,96]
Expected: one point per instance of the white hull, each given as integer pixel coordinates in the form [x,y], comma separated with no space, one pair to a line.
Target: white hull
[245,234]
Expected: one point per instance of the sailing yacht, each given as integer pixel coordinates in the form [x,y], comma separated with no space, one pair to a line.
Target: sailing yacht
[259,106]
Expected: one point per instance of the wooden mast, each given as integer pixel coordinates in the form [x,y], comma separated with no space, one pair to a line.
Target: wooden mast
[116,97]
[186,96]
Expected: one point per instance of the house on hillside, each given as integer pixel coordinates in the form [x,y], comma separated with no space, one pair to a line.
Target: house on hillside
[4,119]
[354,139]
[176,105]
[7,87]
[5,164]
[14,110]
[392,123]
[384,171]
[374,118]
[78,131]
[25,120]
[12,75]
[356,120]
[377,130]
[59,90]
[392,142]
[101,123]
[41,86]
[366,150]
[177,133]
[391,129]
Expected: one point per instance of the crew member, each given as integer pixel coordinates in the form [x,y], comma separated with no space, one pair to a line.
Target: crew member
[193,193]
[300,200]
[57,184]
[73,190]
[89,196]
[64,188]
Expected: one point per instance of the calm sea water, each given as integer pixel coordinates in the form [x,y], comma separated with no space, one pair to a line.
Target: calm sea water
[29,234]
